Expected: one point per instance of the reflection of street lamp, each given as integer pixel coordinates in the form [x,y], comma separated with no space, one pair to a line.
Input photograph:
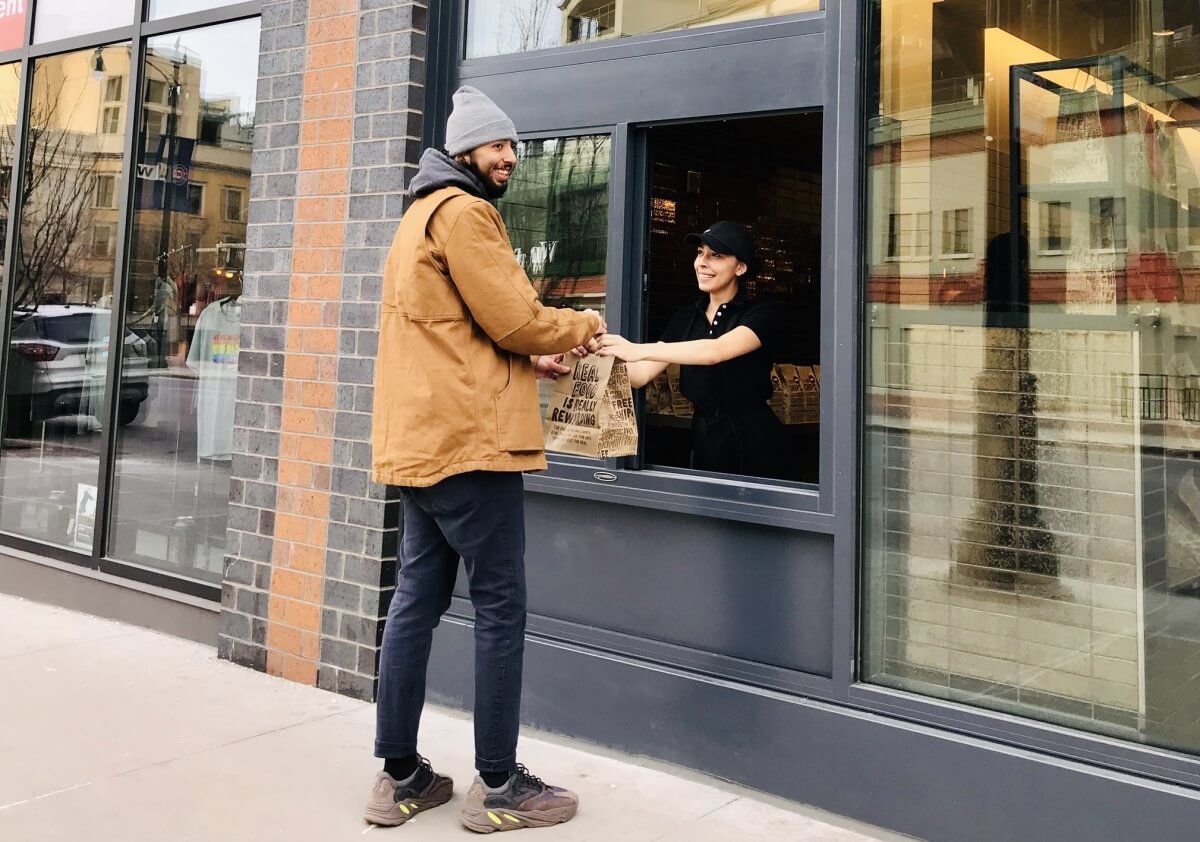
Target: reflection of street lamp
[163,287]
[98,64]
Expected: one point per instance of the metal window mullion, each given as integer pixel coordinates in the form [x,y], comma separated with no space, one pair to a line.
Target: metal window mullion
[204,17]
[16,184]
[87,41]
[628,220]
[116,337]
[842,411]
[444,37]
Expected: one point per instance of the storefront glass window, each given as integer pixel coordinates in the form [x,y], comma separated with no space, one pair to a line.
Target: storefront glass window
[61,297]
[55,19]
[182,300]
[556,212]
[1032,390]
[500,27]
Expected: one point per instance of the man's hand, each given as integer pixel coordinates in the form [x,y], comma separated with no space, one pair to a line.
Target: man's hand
[603,328]
[550,366]
[592,346]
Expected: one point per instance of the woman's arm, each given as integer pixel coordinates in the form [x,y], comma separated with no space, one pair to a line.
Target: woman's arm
[642,372]
[738,342]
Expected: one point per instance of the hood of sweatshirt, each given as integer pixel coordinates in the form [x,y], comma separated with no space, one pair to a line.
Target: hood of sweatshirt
[437,170]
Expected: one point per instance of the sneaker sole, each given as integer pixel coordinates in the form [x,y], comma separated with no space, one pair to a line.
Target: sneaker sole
[492,821]
[401,811]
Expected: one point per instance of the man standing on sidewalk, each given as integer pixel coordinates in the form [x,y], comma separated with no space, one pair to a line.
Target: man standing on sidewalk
[463,338]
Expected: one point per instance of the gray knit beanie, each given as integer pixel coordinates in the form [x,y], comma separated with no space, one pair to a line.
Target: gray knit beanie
[475,120]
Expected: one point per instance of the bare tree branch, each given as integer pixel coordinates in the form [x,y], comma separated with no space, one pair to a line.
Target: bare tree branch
[56,198]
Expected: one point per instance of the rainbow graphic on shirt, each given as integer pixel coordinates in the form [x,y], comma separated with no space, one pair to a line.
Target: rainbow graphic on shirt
[225,348]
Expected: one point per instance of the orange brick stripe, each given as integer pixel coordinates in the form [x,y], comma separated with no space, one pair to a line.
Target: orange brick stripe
[310,367]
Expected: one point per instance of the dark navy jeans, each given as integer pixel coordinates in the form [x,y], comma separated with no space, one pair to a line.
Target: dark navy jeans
[479,517]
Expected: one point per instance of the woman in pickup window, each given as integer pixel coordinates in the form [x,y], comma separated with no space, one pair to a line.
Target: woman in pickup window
[723,343]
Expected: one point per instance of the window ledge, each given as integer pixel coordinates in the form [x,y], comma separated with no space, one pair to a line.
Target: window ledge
[778,506]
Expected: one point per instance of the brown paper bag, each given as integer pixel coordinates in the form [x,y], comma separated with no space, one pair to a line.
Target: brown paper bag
[779,395]
[681,407]
[590,412]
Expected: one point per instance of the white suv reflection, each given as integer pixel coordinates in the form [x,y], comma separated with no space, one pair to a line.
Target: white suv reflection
[57,360]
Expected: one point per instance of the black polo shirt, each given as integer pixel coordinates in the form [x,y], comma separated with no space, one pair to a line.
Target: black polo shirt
[737,385]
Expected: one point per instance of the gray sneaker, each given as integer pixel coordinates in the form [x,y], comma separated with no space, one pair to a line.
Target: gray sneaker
[394,802]
[524,801]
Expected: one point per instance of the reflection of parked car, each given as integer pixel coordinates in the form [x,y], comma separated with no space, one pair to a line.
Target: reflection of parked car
[57,359]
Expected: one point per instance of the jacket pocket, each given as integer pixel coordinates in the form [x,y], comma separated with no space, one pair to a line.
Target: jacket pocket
[518,414]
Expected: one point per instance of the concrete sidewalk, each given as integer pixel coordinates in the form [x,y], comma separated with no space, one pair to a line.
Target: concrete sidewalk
[110,733]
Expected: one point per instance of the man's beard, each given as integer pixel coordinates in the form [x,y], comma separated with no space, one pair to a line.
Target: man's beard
[494,191]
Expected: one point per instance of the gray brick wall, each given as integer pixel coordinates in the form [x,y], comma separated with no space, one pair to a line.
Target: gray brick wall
[360,566]
[257,416]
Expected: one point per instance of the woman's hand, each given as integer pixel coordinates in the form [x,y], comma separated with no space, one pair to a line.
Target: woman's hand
[612,345]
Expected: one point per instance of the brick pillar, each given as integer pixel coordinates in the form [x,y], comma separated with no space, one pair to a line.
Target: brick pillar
[312,541]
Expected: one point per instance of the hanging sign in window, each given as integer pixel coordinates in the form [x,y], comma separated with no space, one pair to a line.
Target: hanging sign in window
[12,24]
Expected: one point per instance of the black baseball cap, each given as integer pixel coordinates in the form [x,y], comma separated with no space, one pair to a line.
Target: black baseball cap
[728,237]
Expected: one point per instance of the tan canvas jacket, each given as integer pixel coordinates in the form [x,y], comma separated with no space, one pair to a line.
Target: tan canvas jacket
[455,388]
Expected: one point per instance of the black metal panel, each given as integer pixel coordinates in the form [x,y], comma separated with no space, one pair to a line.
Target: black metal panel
[37,577]
[910,778]
[744,591]
[778,74]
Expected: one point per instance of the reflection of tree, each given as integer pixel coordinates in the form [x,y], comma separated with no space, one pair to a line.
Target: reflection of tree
[557,213]
[186,232]
[56,196]
[582,209]
[529,18]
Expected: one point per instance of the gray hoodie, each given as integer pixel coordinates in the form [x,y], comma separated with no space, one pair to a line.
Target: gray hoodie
[437,170]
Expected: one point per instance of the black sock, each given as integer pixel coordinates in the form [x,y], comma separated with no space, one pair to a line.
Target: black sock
[401,768]
[495,779]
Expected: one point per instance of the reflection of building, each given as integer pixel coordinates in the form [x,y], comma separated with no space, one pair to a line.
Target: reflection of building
[193,191]
[68,231]
[558,217]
